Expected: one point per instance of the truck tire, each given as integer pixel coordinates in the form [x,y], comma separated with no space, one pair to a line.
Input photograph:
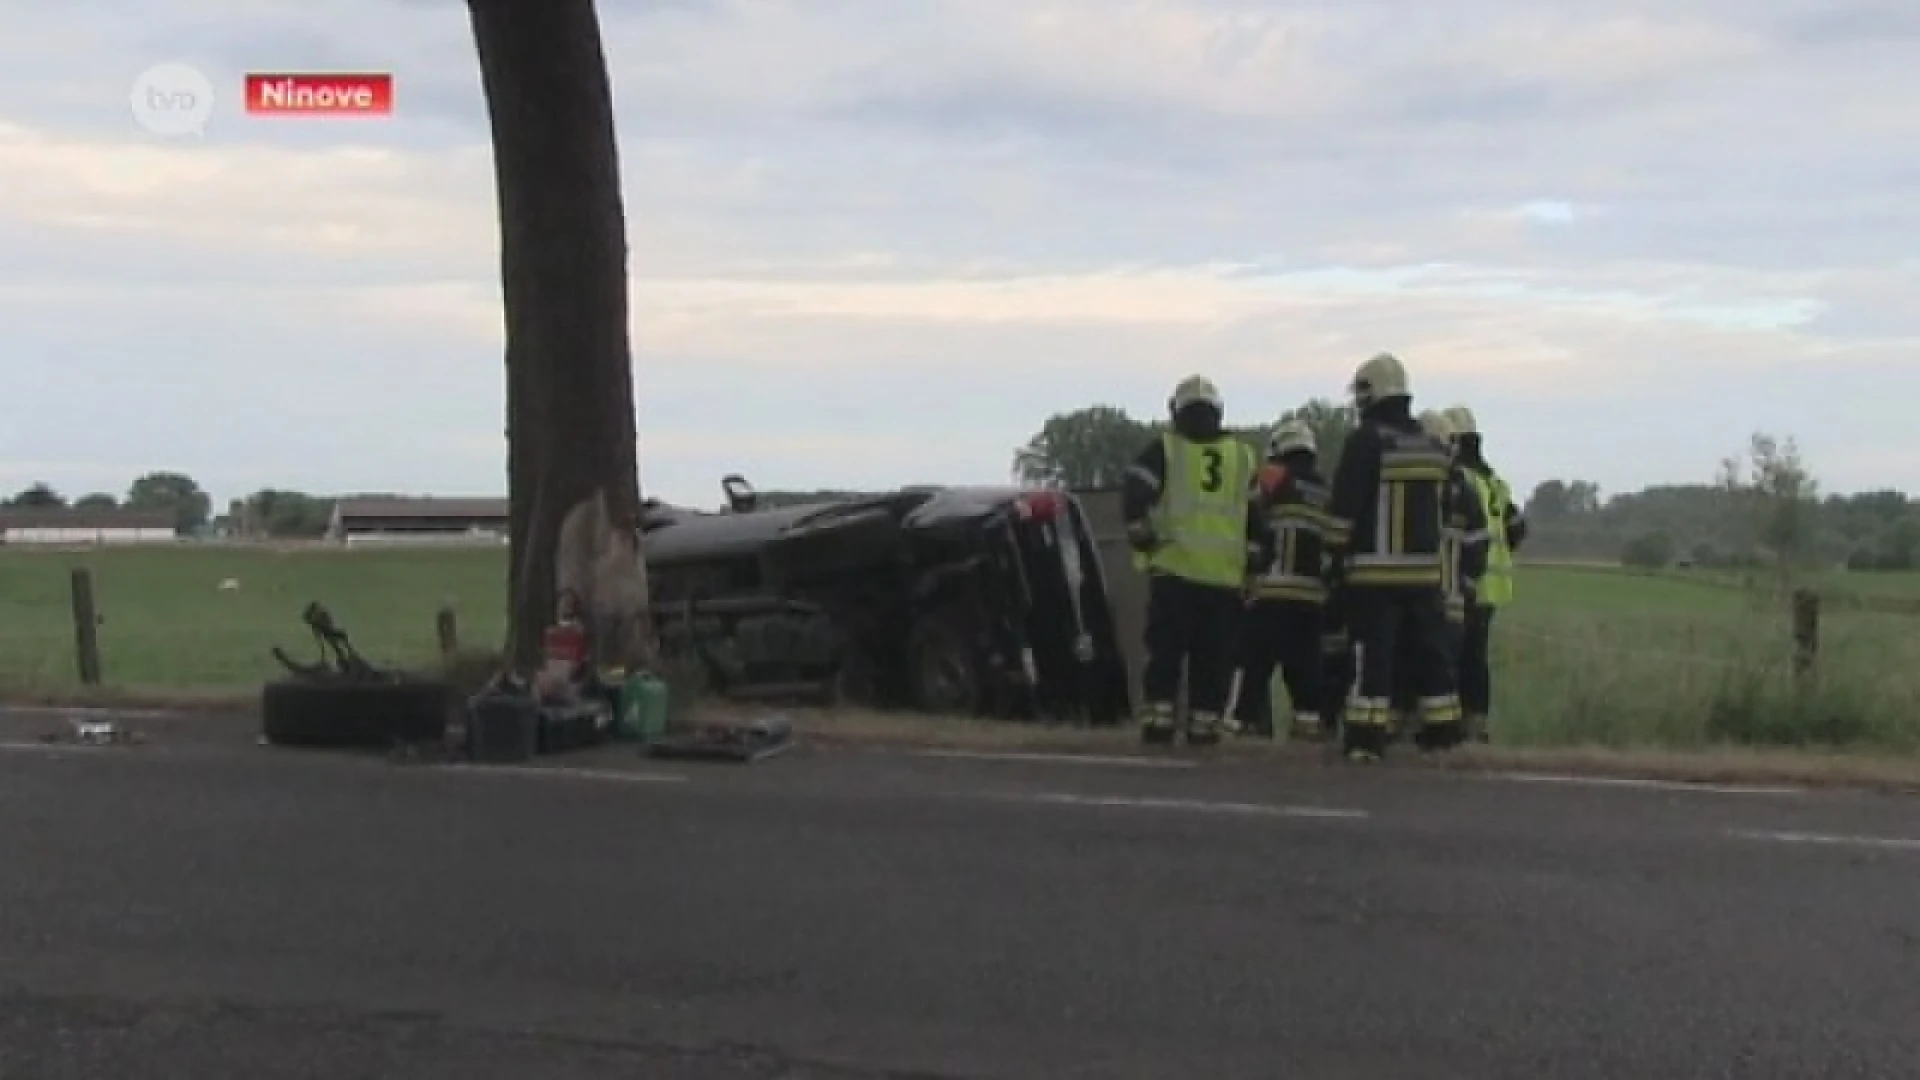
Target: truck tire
[314,713]
[945,672]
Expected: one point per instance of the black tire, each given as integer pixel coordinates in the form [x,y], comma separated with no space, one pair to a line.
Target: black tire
[856,682]
[299,712]
[945,672]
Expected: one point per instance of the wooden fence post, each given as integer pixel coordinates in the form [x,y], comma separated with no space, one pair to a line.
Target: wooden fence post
[447,626]
[86,627]
[1806,632]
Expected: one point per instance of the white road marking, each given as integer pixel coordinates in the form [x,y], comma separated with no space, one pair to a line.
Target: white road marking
[47,748]
[561,772]
[1115,760]
[86,711]
[1200,806]
[1888,843]
[1647,785]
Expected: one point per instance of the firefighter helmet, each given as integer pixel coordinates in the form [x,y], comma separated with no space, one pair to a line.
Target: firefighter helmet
[1380,378]
[1290,437]
[1437,424]
[1195,390]
[1463,420]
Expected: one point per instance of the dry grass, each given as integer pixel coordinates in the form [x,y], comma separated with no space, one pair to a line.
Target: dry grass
[911,731]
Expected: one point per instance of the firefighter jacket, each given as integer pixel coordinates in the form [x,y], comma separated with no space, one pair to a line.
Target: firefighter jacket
[1388,502]
[1464,543]
[1298,520]
[1199,497]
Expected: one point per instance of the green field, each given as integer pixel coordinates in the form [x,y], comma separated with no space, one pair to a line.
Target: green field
[1587,654]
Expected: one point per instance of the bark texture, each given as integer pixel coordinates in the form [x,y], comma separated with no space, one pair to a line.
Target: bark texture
[573,476]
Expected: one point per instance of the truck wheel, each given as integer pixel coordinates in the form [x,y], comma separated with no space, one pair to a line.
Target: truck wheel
[945,673]
[312,713]
[857,681]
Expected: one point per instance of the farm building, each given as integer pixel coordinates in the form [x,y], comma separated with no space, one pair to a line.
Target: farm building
[421,519]
[64,526]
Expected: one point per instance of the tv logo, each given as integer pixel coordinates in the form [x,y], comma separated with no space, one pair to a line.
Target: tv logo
[172,100]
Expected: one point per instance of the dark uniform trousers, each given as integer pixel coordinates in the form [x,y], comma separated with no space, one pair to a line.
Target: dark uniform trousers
[1283,634]
[1476,680]
[1406,682]
[1400,642]
[1336,659]
[1190,626]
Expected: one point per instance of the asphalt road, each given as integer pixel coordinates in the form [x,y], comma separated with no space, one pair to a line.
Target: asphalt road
[211,910]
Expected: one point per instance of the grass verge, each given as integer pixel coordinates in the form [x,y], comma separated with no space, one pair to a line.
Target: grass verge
[857,728]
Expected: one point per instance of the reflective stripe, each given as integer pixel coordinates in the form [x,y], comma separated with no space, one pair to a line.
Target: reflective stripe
[1369,712]
[1144,475]
[1440,709]
[1284,579]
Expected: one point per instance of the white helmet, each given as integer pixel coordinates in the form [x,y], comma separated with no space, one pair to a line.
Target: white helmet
[1292,436]
[1196,390]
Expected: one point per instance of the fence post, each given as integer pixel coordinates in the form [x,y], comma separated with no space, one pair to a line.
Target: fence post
[447,626]
[1806,632]
[86,627]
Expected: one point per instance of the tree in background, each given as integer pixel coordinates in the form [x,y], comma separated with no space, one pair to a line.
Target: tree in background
[1649,551]
[1093,447]
[572,468]
[38,497]
[97,500]
[1087,448]
[285,514]
[1556,500]
[1780,498]
[174,493]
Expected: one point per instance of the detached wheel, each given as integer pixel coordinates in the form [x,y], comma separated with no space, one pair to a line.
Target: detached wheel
[945,673]
[299,712]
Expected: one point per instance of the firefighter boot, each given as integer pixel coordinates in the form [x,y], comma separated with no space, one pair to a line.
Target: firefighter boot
[1156,724]
[1363,743]
[1203,729]
[1476,728]
[1440,723]
[1308,727]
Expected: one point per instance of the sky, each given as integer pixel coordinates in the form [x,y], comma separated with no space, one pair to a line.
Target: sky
[877,242]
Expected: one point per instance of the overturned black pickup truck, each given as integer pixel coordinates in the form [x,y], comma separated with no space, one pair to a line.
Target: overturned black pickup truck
[979,601]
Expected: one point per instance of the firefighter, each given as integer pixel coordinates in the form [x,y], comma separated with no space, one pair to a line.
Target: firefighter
[1464,559]
[1188,507]
[1285,612]
[1506,529]
[1388,512]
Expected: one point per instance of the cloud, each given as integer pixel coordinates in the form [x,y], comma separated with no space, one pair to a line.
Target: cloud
[877,243]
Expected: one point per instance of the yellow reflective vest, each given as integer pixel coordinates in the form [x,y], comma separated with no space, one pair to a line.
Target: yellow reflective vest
[1201,518]
[1496,584]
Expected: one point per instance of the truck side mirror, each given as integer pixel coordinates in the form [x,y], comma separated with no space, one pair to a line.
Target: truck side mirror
[741,498]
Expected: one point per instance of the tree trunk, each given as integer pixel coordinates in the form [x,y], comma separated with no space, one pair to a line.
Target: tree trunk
[572,475]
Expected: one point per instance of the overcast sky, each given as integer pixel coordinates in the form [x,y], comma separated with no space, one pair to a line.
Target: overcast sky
[877,241]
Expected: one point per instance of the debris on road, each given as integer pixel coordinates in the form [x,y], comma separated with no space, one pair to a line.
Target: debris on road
[94,732]
[739,741]
[343,700]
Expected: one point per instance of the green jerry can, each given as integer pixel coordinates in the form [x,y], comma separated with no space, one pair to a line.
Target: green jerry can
[643,708]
